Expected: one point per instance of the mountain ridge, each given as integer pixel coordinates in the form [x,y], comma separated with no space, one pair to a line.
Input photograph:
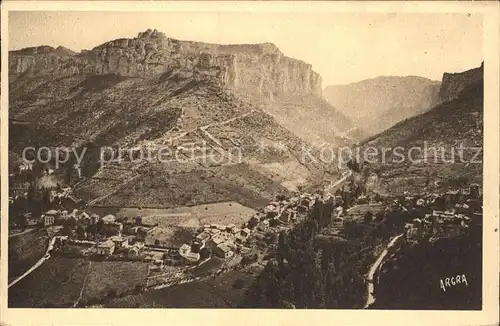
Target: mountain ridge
[151,53]
[152,91]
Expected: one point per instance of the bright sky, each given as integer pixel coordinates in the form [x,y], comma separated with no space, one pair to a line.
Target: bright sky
[342,47]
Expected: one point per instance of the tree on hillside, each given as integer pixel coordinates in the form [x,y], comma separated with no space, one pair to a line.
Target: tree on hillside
[253,222]
[80,231]
[34,198]
[205,253]
[379,216]
[368,217]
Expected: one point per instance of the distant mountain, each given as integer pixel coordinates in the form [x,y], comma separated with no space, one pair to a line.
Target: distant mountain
[457,121]
[44,49]
[377,104]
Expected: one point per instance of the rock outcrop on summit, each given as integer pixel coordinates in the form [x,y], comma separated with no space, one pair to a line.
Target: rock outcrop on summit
[454,83]
[254,68]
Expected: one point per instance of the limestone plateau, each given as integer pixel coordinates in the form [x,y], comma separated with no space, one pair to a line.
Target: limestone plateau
[259,68]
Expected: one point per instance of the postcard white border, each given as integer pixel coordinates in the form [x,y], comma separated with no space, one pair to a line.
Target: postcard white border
[489,314]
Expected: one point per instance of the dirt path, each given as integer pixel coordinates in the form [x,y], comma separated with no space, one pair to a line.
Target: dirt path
[203,128]
[83,286]
[339,181]
[123,184]
[20,233]
[37,264]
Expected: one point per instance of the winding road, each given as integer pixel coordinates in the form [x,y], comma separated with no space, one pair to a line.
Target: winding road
[339,181]
[38,263]
[375,268]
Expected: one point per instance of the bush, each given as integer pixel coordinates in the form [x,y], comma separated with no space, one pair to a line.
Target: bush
[112,293]
[238,284]
[249,259]
[138,288]
[379,217]
[368,217]
[205,253]
[280,197]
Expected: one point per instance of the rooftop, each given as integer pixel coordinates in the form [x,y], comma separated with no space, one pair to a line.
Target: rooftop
[224,248]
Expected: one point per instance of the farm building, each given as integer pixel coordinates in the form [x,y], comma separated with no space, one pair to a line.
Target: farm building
[223,251]
[109,218]
[119,241]
[106,248]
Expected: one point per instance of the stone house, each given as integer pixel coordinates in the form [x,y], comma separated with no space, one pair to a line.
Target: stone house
[215,241]
[94,218]
[49,220]
[203,237]
[245,232]
[286,215]
[109,218]
[223,251]
[119,242]
[106,248]
[135,250]
[50,216]
[114,228]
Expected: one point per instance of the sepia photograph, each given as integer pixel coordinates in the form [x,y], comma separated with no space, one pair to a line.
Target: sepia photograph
[232,159]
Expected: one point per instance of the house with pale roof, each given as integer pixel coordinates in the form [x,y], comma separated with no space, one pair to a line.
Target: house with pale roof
[106,248]
[223,251]
[215,241]
[203,236]
[186,253]
[245,232]
[109,218]
[119,241]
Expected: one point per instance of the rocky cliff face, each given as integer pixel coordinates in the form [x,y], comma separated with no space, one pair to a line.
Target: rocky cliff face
[454,83]
[256,68]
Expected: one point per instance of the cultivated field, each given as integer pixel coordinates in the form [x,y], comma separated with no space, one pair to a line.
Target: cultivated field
[119,277]
[169,236]
[192,216]
[61,282]
[56,283]
[25,250]
[159,188]
[224,291]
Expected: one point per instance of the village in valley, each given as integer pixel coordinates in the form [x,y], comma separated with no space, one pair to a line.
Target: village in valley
[77,231]
[151,171]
